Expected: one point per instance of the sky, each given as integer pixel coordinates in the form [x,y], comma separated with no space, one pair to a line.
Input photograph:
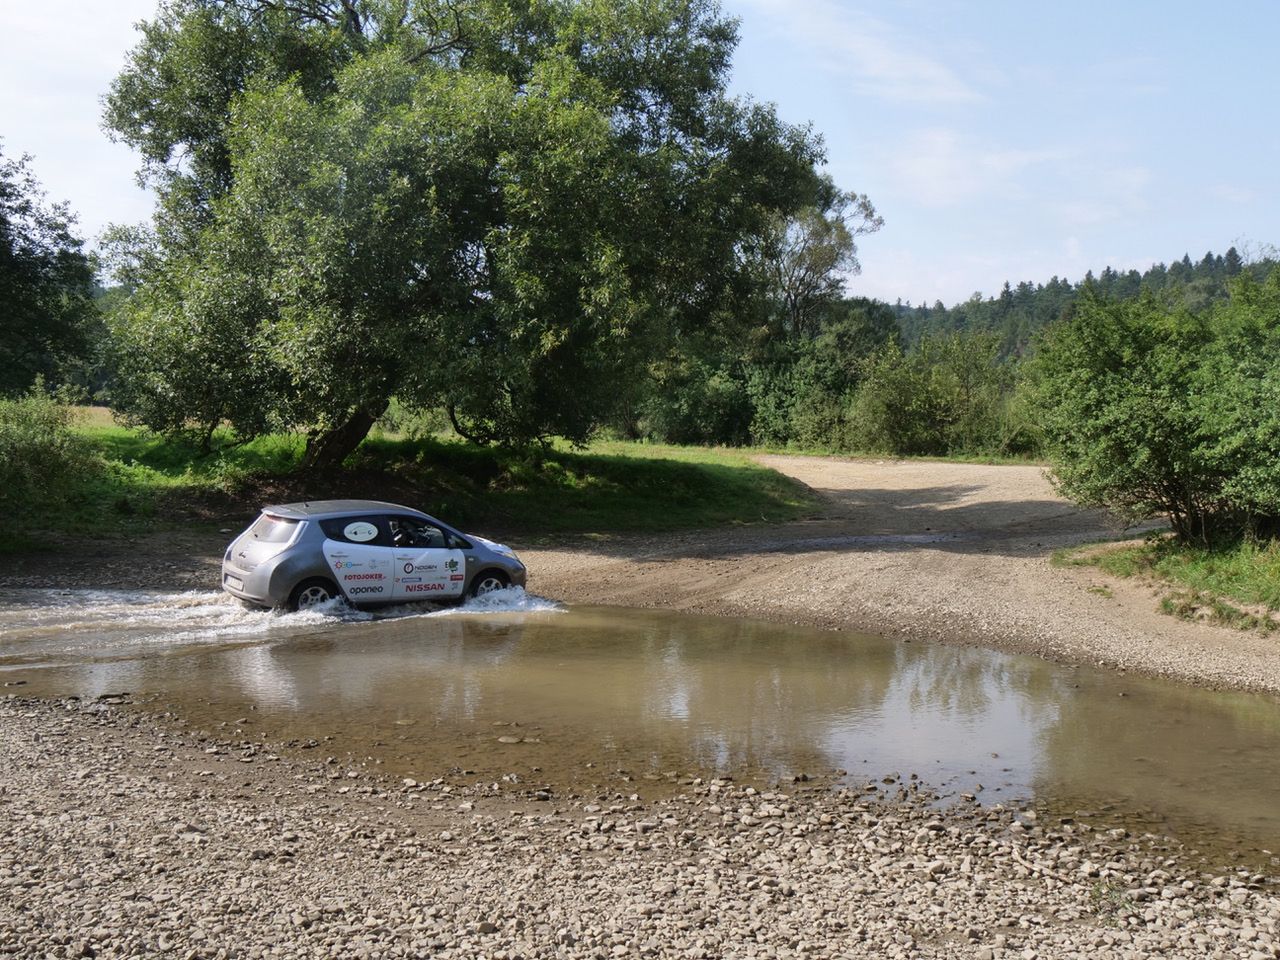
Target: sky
[999,140]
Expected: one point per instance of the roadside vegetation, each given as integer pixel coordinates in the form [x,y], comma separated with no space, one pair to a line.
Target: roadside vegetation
[1151,411]
[1235,584]
[100,478]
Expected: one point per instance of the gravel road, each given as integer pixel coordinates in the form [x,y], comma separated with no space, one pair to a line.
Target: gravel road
[938,551]
[124,834]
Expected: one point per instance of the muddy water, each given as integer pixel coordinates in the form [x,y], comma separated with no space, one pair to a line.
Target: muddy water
[621,700]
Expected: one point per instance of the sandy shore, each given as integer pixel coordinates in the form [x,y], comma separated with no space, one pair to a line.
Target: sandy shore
[128,835]
[950,552]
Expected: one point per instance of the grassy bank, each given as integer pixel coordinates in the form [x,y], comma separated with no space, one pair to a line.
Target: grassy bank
[144,480]
[1236,584]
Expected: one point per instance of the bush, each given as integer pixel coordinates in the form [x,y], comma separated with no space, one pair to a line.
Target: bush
[413,422]
[951,395]
[697,403]
[42,461]
[1149,412]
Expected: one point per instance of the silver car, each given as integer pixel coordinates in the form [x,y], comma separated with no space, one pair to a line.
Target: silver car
[302,554]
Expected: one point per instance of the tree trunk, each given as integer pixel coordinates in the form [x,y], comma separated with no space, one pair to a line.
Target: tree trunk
[327,449]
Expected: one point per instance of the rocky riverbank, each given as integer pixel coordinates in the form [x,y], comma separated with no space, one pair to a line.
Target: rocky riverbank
[127,834]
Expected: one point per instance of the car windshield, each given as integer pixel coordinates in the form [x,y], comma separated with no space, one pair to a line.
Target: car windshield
[269,529]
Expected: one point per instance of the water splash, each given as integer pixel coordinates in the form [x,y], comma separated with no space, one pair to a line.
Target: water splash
[38,624]
[508,600]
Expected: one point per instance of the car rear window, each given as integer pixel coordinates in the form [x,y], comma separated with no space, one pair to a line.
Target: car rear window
[269,529]
[364,530]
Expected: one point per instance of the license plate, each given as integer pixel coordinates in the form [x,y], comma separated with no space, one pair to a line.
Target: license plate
[234,583]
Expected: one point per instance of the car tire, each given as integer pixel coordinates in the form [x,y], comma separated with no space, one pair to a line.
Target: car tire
[487,581]
[311,593]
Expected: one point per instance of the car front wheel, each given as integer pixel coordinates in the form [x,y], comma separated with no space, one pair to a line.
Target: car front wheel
[311,593]
[487,582]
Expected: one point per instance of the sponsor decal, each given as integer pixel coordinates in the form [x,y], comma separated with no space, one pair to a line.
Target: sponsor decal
[422,587]
[410,579]
[408,568]
[354,591]
[346,565]
[455,577]
[451,566]
[360,532]
[363,576]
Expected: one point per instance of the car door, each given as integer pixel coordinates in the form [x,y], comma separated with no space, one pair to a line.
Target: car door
[359,552]
[427,564]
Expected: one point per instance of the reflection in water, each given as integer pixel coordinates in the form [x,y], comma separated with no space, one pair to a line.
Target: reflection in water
[570,698]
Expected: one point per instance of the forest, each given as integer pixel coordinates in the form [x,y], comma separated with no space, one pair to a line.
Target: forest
[522,225]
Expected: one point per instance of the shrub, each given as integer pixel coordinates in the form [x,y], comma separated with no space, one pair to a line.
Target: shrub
[697,403]
[42,461]
[1146,411]
[951,395]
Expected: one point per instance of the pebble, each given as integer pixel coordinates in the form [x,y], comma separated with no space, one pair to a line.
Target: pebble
[109,850]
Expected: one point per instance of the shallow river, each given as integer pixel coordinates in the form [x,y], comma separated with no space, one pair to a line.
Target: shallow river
[621,699]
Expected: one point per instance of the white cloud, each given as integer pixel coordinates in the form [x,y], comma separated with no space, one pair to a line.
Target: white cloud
[879,60]
[1230,193]
[60,57]
[942,167]
[1102,194]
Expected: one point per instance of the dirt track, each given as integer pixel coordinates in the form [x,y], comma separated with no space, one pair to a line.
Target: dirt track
[939,551]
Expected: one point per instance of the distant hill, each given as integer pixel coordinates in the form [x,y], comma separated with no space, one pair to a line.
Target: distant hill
[1020,311]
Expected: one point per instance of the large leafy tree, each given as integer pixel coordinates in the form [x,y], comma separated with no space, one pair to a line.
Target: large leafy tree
[46,284]
[499,206]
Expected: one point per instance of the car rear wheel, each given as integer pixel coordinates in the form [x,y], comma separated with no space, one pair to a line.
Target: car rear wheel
[487,582]
[312,593]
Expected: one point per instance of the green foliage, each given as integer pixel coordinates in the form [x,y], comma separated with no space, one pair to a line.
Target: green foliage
[765,389]
[950,395]
[803,259]
[402,420]
[46,286]
[43,462]
[693,401]
[1147,411]
[1237,381]
[500,209]
[609,487]
[1019,313]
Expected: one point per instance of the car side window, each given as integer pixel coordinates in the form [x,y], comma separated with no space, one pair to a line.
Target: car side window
[364,531]
[416,534]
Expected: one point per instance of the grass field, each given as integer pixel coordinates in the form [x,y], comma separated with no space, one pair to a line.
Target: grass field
[609,487]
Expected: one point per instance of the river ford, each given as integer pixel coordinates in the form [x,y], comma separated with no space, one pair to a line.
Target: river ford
[131,828]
